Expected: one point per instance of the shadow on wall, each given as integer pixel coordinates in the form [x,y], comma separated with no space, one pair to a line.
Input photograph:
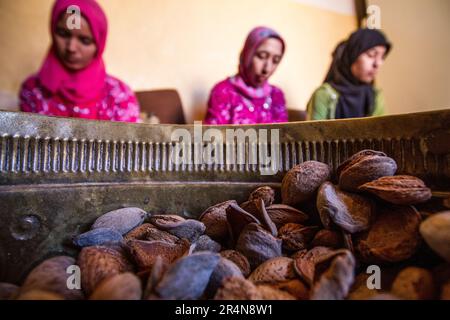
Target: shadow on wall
[161,106]
[199,105]
[9,102]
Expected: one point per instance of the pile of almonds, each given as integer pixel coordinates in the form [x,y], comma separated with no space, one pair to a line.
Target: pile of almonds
[318,243]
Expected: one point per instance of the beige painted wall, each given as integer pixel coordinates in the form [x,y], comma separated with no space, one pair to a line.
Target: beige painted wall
[186,44]
[416,76]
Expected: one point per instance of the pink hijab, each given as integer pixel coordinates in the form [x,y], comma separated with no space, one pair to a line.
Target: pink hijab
[87,85]
[242,81]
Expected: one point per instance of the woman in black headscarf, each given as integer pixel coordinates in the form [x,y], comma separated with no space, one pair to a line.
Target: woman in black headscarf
[348,90]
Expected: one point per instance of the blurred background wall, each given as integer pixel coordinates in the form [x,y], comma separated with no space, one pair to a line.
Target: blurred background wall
[416,76]
[186,44]
[192,44]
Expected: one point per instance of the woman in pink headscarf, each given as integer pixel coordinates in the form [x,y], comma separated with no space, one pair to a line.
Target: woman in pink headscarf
[72,81]
[248,98]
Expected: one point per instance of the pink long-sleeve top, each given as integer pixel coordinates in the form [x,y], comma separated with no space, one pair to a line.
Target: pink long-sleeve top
[119,102]
[229,104]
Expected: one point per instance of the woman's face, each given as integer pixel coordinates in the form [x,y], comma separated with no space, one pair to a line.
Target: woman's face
[265,61]
[75,48]
[366,67]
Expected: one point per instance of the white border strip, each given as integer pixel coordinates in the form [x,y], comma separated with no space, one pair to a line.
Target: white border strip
[339,6]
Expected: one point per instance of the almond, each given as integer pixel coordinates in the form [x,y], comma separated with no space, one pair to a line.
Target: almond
[302,181]
[436,232]
[124,286]
[402,190]
[121,220]
[100,262]
[51,276]
[145,253]
[296,237]
[278,269]
[414,284]
[363,167]
[393,237]
[280,214]
[239,259]
[351,212]
[258,245]
[215,220]
[266,193]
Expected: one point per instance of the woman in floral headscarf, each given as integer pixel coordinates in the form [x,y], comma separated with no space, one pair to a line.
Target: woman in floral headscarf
[248,98]
[72,81]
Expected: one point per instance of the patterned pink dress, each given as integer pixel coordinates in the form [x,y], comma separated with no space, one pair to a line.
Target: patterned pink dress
[229,104]
[88,93]
[118,104]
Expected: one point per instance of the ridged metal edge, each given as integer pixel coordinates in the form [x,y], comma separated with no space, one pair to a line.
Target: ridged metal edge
[41,155]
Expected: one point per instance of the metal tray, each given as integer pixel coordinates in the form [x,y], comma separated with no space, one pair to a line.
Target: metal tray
[58,174]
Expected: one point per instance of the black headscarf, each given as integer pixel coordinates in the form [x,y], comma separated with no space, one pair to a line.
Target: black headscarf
[356,98]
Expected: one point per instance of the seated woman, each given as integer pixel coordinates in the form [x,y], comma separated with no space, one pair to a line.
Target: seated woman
[348,90]
[72,81]
[248,98]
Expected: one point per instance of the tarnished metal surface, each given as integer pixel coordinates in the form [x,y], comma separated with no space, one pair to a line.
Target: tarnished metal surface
[58,174]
